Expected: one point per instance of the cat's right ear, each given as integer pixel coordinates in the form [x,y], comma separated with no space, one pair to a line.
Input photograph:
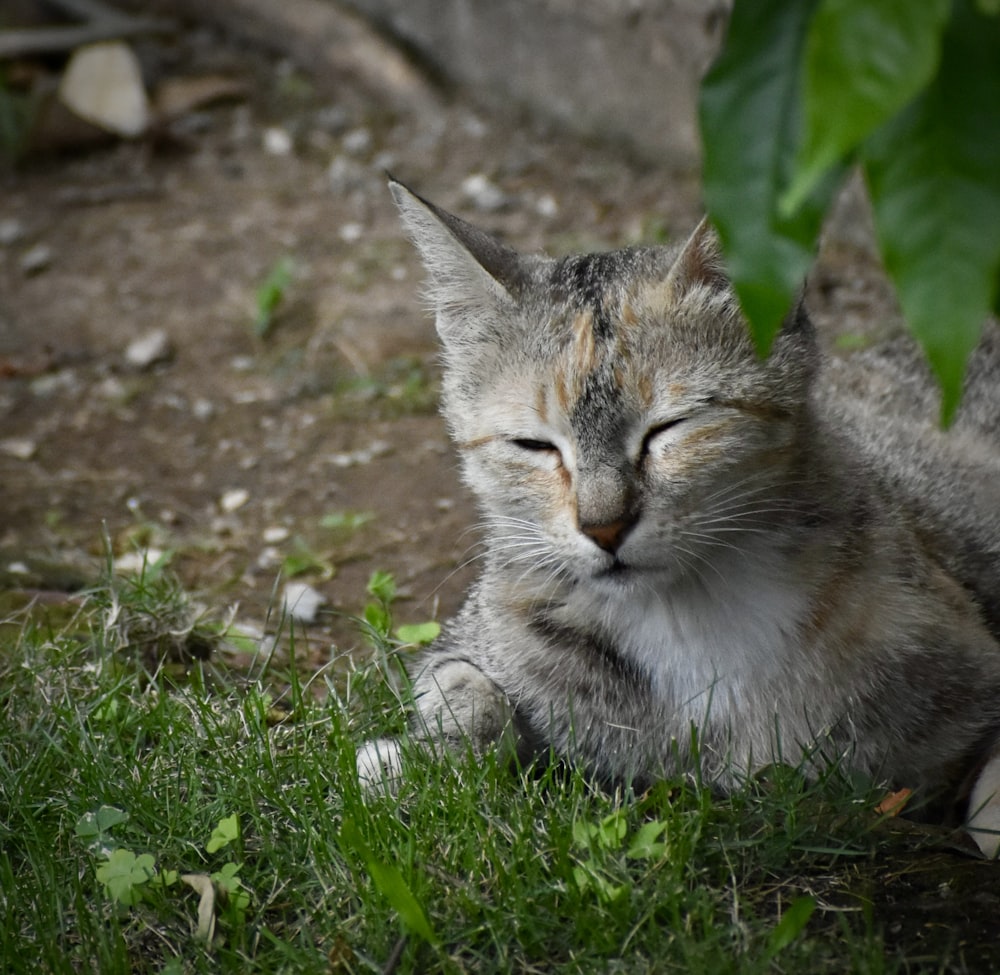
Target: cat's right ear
[471,274]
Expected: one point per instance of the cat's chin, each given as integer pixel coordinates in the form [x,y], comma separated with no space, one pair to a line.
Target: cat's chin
[615,570]
[619,576]
[623,577]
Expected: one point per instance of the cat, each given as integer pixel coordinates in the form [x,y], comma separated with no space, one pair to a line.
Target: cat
[786,555]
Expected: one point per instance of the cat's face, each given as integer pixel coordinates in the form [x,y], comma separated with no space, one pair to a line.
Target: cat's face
[613,416]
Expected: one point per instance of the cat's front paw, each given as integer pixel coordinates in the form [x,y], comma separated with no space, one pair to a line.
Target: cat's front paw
[380,765]
[459,704]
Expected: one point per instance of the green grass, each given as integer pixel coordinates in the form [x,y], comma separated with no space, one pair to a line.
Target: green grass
[118,778]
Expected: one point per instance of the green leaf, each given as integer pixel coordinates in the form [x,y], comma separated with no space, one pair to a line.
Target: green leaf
[382,586]
[864,61]
[646,845]
[607,834]
[391,884]
[346,520]
[750,110]
[227,831]
[237,895]
[378,618]
[791,925]
[419,633]
[270,294]
[933,174]
[124,873]
[92,825]
[167,878]
[612,830]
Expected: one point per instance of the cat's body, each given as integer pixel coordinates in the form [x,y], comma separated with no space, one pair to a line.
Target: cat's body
[680,535]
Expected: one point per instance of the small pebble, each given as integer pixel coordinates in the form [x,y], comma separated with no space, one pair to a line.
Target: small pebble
[275,534]
[138,561]
[277,141]
[203,409]
[357,141]
[333,119]
[234,499]
[302,601]
[345,175]
[546,206]
[37,259]
[20,448]
[269,558]
[11,231]
[366,455]
[149,349]
[483,193]
[63,381]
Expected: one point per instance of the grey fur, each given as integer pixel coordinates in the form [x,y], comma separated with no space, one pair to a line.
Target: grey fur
[787,555]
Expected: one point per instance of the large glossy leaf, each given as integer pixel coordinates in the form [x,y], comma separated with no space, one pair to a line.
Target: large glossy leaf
[750,113]
[934,177]
[864,60]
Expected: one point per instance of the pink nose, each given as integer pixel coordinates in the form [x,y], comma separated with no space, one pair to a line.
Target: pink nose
[609,536]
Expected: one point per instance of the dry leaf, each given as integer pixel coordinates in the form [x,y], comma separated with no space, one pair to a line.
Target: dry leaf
[894,803]
[177,96]
[103,84]
[202,884]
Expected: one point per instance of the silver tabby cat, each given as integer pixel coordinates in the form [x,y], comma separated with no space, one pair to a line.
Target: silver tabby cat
[786,554]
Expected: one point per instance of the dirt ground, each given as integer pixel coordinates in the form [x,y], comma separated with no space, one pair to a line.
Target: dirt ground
[238,452]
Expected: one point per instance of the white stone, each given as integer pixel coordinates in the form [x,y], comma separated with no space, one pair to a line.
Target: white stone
[11,231]
[357,141]
[149,349]
[546,206]
[20,448]
[275,534]
[37,259]
[483,193]
[138,561]
[234,499]
[351,232]
[302,602]
[378,448]
[102,83]
[203,409]
[277,141]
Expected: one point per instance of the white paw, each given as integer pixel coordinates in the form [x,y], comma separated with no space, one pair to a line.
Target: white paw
[380,765]
[457,701]
[984,809]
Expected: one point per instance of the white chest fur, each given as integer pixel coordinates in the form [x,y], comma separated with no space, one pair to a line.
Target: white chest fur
[732,642]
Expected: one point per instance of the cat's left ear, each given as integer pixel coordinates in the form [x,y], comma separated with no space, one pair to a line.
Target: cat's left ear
[472,275]
[700,262]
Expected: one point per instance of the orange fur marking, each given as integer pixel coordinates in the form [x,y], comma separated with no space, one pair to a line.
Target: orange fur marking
[583,334]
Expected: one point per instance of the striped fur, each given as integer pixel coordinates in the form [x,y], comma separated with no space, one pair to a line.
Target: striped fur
[784,554]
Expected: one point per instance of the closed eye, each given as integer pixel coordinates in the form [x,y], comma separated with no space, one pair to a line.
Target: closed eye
[660,428]
[526,443]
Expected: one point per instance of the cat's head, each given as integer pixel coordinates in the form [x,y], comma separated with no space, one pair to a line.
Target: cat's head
[610,408]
